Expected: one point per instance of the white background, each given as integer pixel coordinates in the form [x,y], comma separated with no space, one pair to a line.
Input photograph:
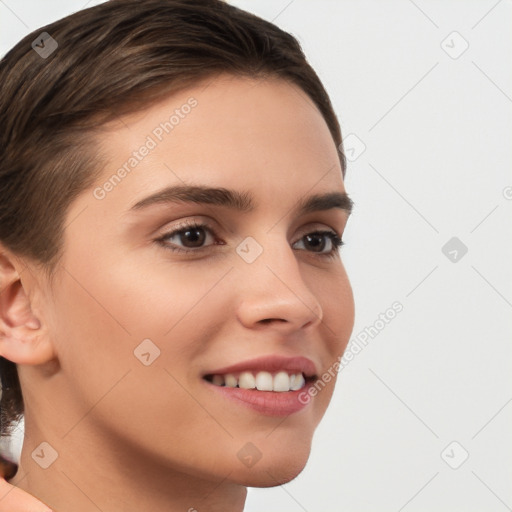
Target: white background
[436,165]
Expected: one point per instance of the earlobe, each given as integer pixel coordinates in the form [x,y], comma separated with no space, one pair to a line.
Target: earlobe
[23,339]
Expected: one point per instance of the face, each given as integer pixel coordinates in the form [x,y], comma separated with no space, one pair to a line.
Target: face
[166,298]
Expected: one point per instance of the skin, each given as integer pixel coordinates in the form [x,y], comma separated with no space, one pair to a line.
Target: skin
[133,437]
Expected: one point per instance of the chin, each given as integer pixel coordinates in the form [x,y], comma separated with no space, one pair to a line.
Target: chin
[275,470]
[273,477]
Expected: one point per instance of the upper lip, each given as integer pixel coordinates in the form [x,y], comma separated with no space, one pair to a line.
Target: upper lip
[274,363]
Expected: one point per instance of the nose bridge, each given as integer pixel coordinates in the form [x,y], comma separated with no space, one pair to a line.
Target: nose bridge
[273,286]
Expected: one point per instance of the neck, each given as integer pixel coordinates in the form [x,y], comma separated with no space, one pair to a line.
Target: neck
[87,473]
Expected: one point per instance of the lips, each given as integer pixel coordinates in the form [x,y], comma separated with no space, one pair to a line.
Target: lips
[271,385]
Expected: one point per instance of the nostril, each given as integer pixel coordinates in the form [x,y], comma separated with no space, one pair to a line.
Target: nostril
[268,320]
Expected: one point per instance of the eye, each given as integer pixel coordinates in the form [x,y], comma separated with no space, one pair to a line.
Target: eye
[192,236]
[326,243]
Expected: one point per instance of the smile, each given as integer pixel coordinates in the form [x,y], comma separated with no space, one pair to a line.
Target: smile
[269,385]
[262,381]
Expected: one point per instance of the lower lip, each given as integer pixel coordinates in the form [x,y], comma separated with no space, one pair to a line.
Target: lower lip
[270,403]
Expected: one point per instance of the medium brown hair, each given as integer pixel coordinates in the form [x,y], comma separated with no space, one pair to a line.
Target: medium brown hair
[112,59]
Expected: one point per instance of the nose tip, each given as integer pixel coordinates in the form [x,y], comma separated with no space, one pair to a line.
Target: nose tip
[318,315]
[287,305]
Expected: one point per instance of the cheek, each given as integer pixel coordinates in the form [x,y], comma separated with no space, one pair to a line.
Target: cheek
[152,297]
[92,344]
[346,315]
[337,300]
[108,317]
[124,353]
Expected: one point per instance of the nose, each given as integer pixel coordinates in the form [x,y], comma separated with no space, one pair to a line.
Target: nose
[275,294]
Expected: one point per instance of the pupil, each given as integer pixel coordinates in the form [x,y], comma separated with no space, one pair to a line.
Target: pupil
[195,236]
[319,246]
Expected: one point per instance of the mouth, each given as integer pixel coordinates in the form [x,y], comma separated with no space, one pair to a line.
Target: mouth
[279,382]
[271,386]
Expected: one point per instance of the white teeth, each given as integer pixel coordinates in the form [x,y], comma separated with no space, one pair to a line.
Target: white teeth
[282,382]
[263,381]
[231,381]
[246,380]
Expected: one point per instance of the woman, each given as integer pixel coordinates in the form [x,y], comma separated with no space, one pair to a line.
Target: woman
[174,305]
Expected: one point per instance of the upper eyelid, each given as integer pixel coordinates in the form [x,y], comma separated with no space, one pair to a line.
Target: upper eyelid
[213,230]
[186,225]
[212,223]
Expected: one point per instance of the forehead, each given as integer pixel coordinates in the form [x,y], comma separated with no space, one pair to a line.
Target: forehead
[240,133]
[249,116]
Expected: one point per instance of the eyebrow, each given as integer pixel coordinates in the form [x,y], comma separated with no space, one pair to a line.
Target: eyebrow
[240,201]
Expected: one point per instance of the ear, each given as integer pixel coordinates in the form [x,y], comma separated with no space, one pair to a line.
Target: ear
[23,338]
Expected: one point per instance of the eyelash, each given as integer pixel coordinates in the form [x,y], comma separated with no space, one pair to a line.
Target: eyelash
[336,240]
